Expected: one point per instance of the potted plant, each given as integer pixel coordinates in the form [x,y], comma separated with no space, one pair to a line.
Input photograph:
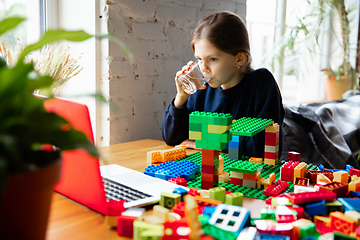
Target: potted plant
[301,45]
[27,172]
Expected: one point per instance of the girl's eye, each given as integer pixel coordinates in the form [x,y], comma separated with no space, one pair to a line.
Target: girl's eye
[212,59]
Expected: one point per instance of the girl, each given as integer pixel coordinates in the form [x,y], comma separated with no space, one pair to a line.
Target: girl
[220,41]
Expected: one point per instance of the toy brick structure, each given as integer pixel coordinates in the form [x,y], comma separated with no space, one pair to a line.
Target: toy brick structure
[271,151]
[246,174]
[211,133]
[245,127]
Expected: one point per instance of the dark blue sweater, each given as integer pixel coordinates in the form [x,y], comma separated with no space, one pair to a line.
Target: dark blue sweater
[257,96]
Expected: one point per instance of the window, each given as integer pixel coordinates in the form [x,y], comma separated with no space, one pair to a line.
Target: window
[266,26]
[27,32]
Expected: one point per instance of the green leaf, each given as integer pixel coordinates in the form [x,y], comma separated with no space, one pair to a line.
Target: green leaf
[53,36]
[10,23]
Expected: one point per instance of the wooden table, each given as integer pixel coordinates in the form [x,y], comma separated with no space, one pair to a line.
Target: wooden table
[71,220]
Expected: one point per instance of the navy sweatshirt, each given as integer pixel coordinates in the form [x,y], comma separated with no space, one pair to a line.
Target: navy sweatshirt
[257,95]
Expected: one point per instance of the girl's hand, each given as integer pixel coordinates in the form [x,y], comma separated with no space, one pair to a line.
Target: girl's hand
[189,143]
[181,95]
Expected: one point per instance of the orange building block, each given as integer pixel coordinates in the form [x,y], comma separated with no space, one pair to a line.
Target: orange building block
[300,170]
[255,160]
[354,186]
[252,177]
[342,223]
[341,176]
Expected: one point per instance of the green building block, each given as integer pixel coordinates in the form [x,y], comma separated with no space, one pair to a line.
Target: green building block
[245,167]
[144,230]
[195,127]
[168,200]
[334,206]
[308,230]
[235,198]
[341,236]
[250,126]
[217,193]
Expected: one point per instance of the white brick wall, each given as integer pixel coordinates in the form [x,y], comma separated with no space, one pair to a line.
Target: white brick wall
[158,34]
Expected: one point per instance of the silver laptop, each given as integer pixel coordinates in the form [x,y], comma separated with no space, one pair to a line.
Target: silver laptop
[137,188]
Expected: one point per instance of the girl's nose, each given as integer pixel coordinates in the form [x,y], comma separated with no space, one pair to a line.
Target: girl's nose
[204,67]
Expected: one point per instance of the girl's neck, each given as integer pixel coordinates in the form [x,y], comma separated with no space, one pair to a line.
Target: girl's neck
[236,81]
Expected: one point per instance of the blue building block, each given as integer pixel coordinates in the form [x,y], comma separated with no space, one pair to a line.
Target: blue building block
[354,194]
[273,237]
[348,167]
[350,204]
[181,191]
[318,208]
[185,169]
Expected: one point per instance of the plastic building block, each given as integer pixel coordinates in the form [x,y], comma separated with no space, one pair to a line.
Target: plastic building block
[191,214]
[312,175]
[230,218]
[169,200]
[255,160]
[217,193]
[308,197]
[285,218]
[181,191]
[340,236]
[178,229]
[354,186]
[214,231]
[249,183]
[322,179]
[276,188]
[159,215]
[354,215]
[298,225]
[160,156]
[125,226]
[263,183]
[309,230]
[293,156]
[334,206]
[249,233]
[339,188]
[234,199]
[287,171]
[249,126]
[350,204]
[342,223]
[302,182]
[185,169]
[179,181]
[142,230]
[272,237]
[341,176]
[273,228]
[245,167]
[223,177]
[205,202]
[318,208]
[354,171]
[114,209]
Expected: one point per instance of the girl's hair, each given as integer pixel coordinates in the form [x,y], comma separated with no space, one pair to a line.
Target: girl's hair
[227,32]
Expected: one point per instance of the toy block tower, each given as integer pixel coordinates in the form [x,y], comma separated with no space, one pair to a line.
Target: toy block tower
[243,173]
[245,127]
[271,152]
[211,133]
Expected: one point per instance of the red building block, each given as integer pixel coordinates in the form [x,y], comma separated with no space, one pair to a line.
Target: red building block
[293,156]
[236,181]
[276,188]
[125,226]
[176,230]
[179,181]
[287,171]
[308,197]
[354,171]
[114,207]
[338,188]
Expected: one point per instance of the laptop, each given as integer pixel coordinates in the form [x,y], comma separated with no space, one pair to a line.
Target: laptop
[86,182]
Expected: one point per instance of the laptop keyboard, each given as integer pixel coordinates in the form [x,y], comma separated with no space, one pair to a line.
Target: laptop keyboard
[117,191]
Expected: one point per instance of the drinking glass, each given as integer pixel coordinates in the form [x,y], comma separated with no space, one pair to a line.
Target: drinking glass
[190,81]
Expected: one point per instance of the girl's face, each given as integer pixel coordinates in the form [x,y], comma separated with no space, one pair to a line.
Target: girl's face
[218,65]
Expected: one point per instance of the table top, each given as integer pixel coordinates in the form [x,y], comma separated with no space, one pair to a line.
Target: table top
[71,220]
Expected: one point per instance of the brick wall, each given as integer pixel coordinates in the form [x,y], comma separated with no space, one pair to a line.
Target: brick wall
[158,34]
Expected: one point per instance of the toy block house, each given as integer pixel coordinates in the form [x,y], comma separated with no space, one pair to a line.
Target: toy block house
[247,127]
[211,133]
[271,152]
[244,173]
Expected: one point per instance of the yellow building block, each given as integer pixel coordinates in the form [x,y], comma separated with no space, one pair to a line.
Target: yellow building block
[300,170]
[255,160]
[194,135]
[354,215]
[321,178]
[341,176]
[273,129]
[221,164]
[354,186]
[218,128]
[298,225]
[268,161]
[224,177]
